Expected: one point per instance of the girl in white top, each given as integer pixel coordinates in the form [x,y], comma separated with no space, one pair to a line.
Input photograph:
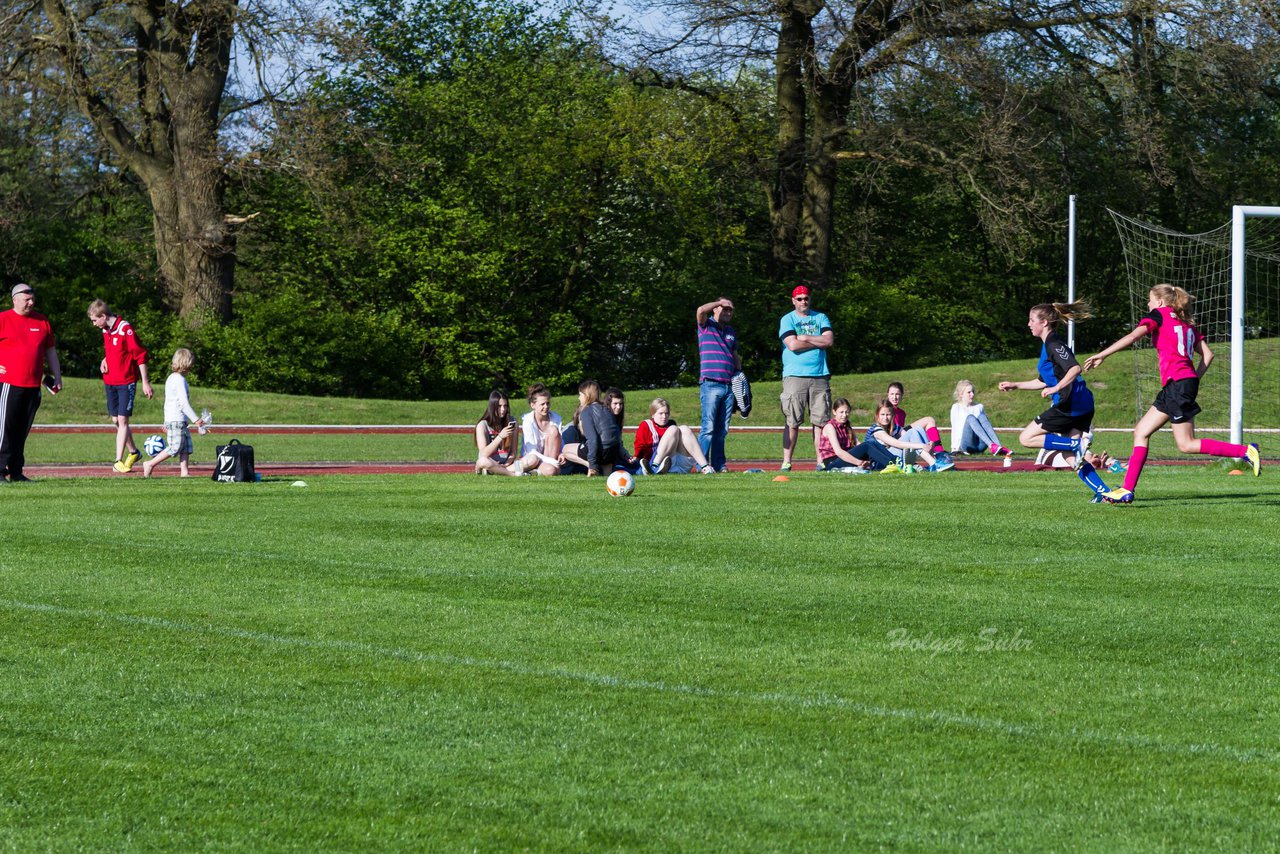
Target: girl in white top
[971,430]
[540,430]
[177,415]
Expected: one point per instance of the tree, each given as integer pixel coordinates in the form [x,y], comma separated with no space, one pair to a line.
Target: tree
[150,77]
[834,62]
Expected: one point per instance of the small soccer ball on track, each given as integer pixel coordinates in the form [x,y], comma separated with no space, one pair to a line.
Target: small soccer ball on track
[620,484]
[154,444]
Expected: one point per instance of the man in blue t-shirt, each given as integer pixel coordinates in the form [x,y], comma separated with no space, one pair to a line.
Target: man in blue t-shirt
[718,361]
[806,381]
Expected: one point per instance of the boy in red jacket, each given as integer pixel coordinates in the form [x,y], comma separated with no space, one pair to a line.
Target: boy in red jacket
[122,366]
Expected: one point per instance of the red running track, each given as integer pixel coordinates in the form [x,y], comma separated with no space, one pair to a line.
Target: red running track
[297,470]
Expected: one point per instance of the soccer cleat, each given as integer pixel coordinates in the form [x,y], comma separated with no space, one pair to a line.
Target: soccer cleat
[707,469]
[663,466]
[1254,456]
[785,467]
[722,470]
[119,466]
[1098,498]
[131,459]
[894,467]
[1120,495]
[942,463]
[642,467]
[1082,451]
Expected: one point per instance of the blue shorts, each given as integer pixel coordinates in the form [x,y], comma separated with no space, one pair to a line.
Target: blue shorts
[120,399]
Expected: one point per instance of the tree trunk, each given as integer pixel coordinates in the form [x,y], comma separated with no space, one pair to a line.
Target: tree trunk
[831,107]
[787,191]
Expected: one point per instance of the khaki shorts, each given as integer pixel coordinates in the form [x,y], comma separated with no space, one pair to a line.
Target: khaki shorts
[812,393]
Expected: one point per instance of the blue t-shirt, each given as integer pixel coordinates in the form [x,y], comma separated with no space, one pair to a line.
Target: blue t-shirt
[810,363]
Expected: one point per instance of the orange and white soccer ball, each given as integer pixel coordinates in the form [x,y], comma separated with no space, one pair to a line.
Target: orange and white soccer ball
[620,484]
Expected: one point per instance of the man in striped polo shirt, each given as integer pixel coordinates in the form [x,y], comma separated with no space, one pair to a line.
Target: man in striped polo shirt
[718,359]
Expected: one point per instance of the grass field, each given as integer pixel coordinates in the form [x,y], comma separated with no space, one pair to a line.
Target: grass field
[437,663]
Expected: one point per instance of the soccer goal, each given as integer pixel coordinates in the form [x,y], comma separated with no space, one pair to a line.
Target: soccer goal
[1234,273]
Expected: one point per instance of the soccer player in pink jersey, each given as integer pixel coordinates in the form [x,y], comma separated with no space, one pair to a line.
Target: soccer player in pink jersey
[1176,338]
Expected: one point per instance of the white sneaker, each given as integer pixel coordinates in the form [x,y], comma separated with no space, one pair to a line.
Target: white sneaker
[663,466]
[707,469]
[1085,439]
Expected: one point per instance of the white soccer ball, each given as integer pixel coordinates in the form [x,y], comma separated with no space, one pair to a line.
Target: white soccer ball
[154,444]
[620,484]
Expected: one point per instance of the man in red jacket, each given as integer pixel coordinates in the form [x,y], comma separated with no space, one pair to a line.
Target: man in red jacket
[125,362]
[26,346]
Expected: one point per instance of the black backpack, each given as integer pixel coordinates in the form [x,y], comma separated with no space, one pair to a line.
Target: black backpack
[234,463]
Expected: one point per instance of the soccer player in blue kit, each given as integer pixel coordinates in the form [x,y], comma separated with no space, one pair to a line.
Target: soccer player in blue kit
[1065,425]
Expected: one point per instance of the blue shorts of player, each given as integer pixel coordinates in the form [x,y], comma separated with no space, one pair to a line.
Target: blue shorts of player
[120,399]
[179,438]
[1178,400]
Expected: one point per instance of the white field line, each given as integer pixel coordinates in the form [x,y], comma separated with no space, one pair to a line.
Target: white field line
[936,717]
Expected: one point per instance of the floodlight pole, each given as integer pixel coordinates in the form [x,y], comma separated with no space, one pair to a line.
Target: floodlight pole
[1071,267]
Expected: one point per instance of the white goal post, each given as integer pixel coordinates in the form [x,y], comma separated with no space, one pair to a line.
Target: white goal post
[1233,271]
[1239,214]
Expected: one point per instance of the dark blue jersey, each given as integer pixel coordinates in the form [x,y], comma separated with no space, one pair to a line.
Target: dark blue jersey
[1056,359]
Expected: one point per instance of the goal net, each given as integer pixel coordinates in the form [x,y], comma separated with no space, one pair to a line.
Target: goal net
[1234,273]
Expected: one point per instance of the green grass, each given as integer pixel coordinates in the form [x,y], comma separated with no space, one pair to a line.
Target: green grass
[440,663]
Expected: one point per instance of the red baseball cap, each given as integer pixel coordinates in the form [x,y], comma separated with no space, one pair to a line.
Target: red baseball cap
[800,291]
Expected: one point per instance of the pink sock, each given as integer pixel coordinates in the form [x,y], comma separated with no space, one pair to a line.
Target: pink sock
[1222,449]
[932,434]
[1136,461]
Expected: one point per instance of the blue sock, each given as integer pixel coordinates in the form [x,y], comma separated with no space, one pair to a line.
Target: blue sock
[1091,479]
[1056,442]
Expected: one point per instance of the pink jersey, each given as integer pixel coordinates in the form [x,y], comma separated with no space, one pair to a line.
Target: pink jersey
[1175,341]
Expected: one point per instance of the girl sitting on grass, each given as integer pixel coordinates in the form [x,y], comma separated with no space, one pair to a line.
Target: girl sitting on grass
[496,439]
[540,430]
[835,445]
[664,446]
[905,445]
[971,430]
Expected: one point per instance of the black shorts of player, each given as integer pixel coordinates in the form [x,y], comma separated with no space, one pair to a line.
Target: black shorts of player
[120,399]
[1054,420]
[1178,400]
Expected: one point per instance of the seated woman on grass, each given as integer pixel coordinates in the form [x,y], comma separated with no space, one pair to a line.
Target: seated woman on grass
[664,446]
[601,446]
[926,425]
[906,445]
[835,445]
[540,429]
[496,439]
[971,430]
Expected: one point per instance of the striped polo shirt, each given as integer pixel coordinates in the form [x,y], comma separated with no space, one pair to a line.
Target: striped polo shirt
[716,344]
